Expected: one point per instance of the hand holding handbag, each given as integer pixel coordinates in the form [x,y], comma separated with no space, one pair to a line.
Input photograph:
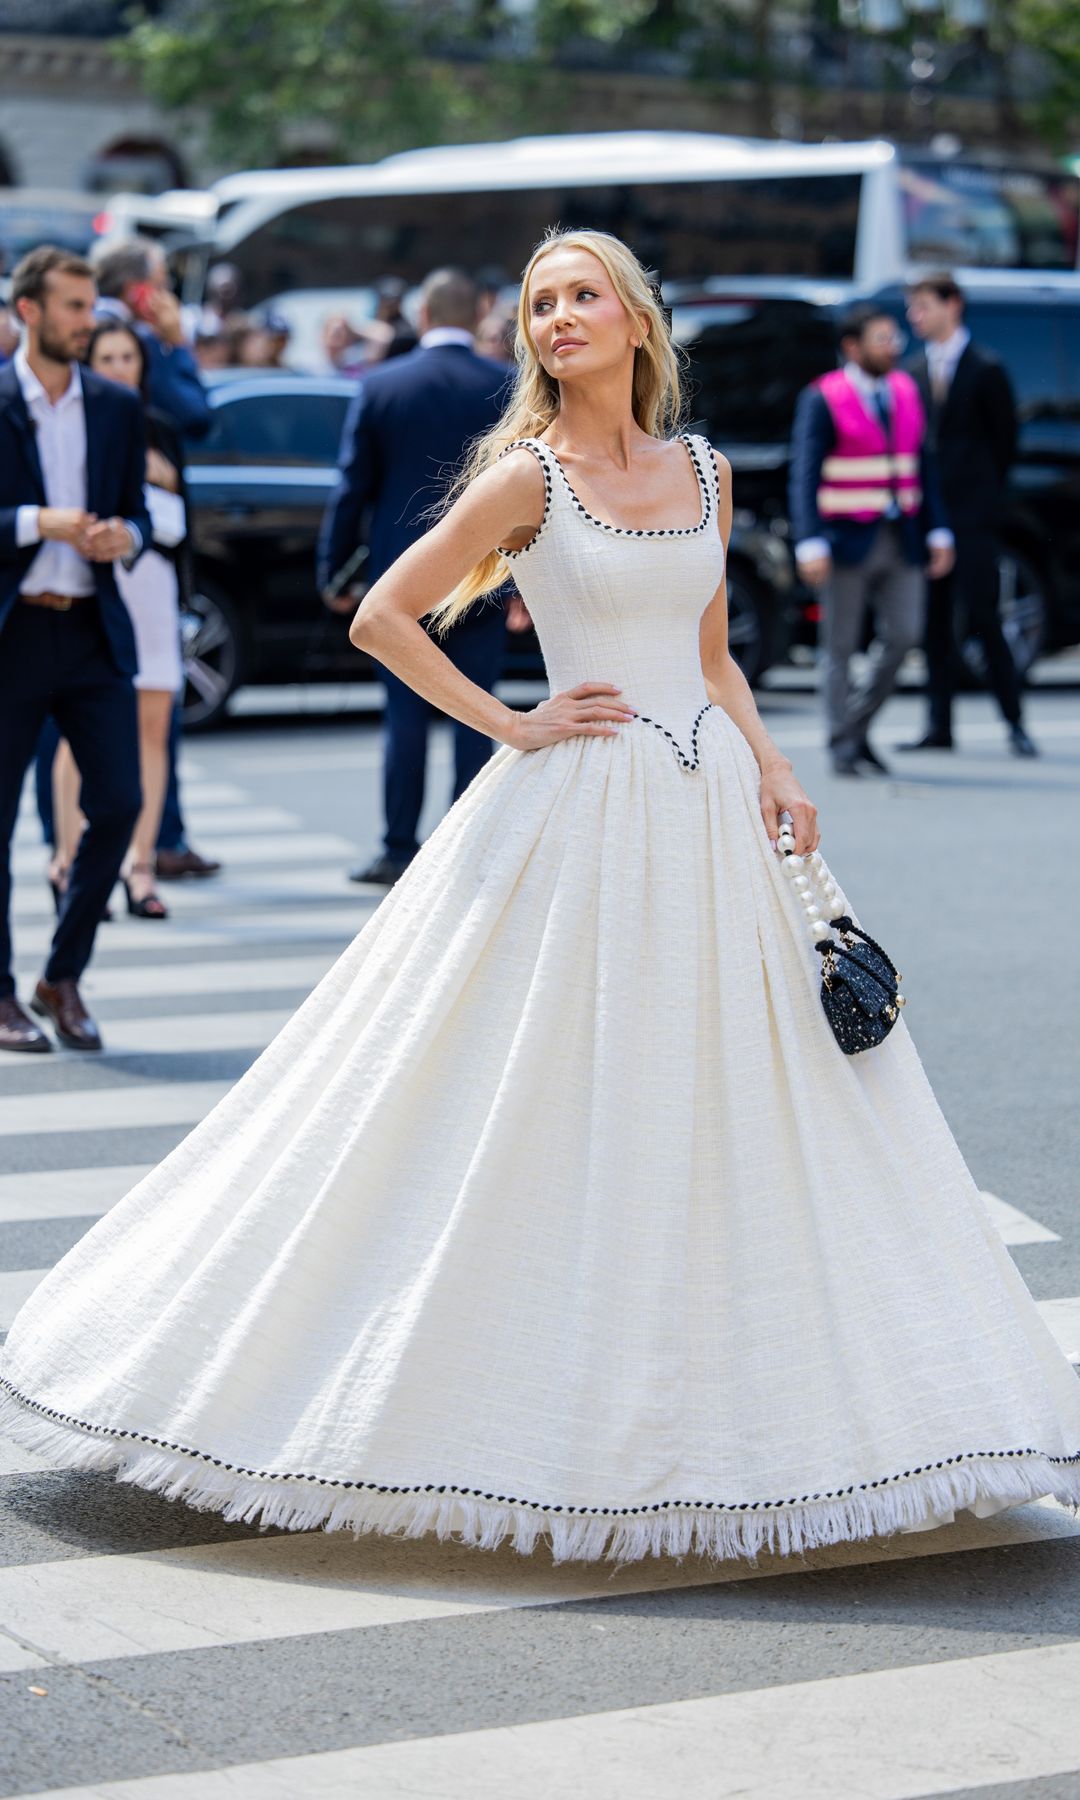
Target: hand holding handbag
[860,983]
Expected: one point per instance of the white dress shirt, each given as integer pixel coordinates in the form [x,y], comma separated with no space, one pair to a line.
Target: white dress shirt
[60,432]
[869,388]
[60,435]
[446,334]
[942,358]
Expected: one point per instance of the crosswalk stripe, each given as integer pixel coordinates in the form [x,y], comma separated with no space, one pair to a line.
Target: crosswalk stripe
[1015,1226]
[216,929]
[1063,1318]
[264,848]
[197,794]
[161,1601]
[106,1108]
[14,1460]
[258,975]
[66,1193]
[182,1032]
[892,1734]
[256,888]
[16,1285]
[211,821]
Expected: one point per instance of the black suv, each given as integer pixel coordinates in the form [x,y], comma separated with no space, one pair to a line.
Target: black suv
[754,345]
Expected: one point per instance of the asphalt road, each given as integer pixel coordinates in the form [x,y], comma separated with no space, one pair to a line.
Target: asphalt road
[170,1646]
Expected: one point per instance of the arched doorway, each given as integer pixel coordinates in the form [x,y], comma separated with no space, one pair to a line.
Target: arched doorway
[135,165]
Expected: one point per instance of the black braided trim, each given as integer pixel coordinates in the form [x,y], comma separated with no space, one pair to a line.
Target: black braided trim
[693,761]
[529,444]
[633,531]
[430,1487]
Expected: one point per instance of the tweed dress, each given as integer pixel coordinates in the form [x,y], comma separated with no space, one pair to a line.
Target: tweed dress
[555,1215]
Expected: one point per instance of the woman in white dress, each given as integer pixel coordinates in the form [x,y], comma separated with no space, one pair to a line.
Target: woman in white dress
[556,1214]
[151,594]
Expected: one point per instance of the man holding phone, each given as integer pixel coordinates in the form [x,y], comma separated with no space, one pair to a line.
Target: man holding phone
[133,285]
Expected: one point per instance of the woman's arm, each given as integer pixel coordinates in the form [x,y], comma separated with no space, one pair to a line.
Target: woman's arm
[503,504]
[727,686]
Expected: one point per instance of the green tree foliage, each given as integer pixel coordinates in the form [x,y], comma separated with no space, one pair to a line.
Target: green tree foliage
[377,76]
[1052,27]
[254,68]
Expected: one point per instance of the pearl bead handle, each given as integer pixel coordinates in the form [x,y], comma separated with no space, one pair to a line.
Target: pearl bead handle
[813,884]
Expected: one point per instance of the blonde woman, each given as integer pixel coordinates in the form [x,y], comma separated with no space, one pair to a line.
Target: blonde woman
[556,1215]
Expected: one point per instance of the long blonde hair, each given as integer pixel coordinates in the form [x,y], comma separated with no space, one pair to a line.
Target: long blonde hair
[656,395]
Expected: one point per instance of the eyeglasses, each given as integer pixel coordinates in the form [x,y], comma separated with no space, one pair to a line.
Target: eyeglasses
[886,337]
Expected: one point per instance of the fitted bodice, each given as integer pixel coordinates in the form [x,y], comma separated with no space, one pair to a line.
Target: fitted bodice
[611,603]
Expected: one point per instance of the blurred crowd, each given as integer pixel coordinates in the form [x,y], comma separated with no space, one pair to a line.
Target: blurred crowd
[226,336]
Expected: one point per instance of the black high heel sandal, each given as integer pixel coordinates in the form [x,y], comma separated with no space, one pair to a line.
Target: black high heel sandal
[58,888]
[151,906]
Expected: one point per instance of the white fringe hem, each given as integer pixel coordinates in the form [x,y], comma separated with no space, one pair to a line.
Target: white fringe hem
[917,1502]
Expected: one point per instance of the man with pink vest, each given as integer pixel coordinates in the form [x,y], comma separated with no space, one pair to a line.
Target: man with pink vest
[868,522]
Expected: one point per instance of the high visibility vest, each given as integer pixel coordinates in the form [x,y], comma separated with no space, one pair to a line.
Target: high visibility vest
[865,472]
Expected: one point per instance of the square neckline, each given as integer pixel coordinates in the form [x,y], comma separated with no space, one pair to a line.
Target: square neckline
[649,531]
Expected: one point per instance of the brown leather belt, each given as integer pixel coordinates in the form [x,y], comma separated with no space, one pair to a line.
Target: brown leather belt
[55,602]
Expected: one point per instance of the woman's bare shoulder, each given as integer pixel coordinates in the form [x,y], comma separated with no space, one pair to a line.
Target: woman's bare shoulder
[517,475]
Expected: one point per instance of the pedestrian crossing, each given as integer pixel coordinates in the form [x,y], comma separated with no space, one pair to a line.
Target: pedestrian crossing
[148,1652]
[968,1721]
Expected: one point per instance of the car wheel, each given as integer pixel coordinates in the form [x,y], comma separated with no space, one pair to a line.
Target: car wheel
[210,642]
[748,622]
[1025,611]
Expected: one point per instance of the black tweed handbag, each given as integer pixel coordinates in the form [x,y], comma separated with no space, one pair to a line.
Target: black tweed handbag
[860,983]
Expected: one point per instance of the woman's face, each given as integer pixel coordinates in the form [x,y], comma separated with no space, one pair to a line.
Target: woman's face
[578,323]
[116,356]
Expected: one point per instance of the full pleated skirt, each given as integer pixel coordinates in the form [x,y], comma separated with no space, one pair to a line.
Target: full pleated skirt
[556,1214]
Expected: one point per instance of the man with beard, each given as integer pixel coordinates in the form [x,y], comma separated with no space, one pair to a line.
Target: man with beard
[866,517]
[72,460]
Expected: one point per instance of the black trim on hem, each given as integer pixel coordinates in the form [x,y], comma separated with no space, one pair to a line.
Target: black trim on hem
[430,1487]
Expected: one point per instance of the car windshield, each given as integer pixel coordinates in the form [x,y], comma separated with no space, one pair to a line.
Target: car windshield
[750,357]
[965,214]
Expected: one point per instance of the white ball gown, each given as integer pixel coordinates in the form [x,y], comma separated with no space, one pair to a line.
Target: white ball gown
[556,1213]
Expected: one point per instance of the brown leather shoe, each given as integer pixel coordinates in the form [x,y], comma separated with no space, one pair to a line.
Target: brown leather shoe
[17,1030]
[60,1002]
[173,865]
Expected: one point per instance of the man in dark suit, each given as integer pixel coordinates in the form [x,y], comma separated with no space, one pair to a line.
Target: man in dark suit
[972,413]
[867,519]
[404,437]
[72,462]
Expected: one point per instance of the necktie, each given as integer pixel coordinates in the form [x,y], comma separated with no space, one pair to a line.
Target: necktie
[881,407]
[939,383]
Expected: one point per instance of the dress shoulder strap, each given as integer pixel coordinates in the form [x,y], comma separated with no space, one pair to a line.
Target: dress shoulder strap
[536,445]
[542,455]
[702,453]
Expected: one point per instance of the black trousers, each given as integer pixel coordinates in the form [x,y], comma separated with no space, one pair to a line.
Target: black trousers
[477,649]
[972,593]
[57,665]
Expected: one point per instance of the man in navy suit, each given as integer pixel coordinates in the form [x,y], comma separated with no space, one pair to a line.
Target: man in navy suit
[404,437]
[72,462]
[972,412]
